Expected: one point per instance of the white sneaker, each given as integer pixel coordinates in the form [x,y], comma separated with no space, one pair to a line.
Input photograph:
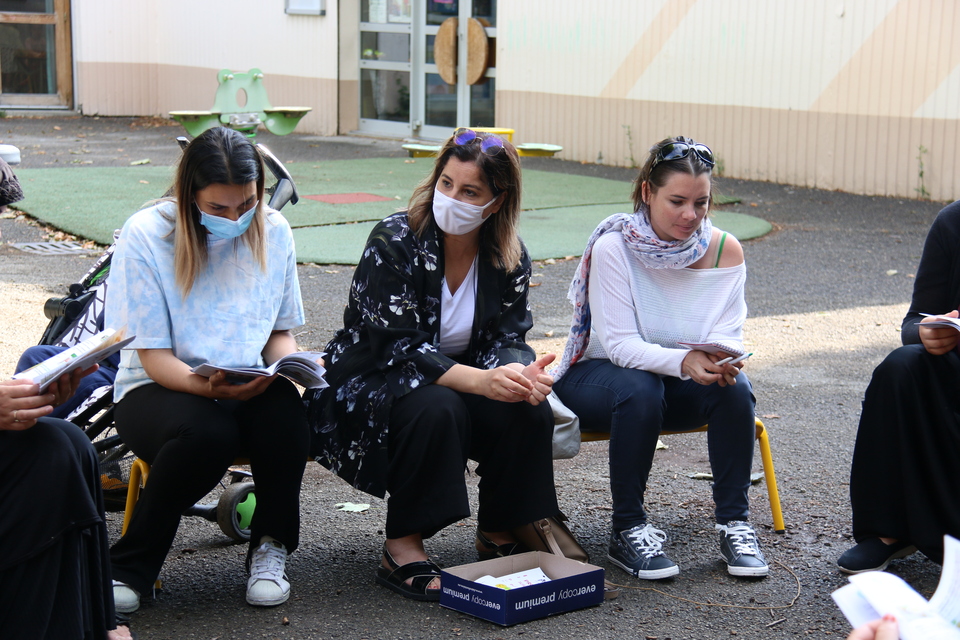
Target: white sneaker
[268,586]
[125,598]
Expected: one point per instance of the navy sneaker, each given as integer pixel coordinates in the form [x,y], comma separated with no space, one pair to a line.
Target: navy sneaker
[873,554]
[741,550]
[639,552]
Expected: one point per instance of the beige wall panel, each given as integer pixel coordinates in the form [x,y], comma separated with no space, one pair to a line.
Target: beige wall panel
[118,89]
[904,60]
[145,58]
[764,53]
[943,102]
[349,100]
[838,95]
[239,34]
[874,155]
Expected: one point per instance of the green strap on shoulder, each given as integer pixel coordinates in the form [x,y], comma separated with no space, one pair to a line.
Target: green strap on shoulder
[723,239]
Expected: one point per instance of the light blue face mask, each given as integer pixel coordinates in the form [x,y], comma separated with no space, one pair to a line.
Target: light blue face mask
[225,228]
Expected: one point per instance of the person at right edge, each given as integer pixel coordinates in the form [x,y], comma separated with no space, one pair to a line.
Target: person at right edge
[904,485]
[649,284]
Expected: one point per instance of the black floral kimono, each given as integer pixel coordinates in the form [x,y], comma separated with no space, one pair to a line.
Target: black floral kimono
[390,344]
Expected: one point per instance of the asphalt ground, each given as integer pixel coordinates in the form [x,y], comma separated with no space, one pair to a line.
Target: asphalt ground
[826,291]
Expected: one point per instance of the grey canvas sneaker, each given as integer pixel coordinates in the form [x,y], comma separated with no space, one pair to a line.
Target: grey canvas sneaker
[639,552]
[740,549]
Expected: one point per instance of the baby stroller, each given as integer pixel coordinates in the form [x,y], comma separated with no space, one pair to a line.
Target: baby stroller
[80,314]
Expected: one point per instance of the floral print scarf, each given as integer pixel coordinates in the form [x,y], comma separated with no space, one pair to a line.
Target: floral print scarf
[647,248]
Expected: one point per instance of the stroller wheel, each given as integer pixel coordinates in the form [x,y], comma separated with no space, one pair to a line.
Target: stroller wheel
[235,510]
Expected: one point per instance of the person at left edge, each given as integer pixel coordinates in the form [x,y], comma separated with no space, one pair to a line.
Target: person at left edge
[208,276]
[431,367]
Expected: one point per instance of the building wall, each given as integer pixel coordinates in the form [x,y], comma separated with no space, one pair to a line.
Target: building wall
[835,94]
[824,93]
[150,58]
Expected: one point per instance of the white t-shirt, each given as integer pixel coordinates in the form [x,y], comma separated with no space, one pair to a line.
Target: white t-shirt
[456,314]
[640,315]
[228,315]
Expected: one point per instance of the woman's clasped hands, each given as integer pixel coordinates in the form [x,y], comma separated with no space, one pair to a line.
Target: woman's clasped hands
[702,368]
[517,383]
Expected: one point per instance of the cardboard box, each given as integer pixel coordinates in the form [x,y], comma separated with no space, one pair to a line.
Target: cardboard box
[573,585]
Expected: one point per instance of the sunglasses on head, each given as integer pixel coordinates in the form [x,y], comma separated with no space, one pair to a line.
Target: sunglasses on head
[489,143]
[677,150]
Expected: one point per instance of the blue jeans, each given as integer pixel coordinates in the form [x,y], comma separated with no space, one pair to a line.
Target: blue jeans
[634,406]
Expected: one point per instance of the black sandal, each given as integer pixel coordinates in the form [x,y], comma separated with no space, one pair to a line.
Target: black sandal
[395,578]
[493,550]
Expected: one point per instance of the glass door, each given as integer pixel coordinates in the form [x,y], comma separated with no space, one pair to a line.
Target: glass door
[35,53]
[459,71]
[427,66]
[386,39]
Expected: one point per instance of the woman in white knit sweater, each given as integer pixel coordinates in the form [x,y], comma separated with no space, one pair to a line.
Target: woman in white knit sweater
[650,286]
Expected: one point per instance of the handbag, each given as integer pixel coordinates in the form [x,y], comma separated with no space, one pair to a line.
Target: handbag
[566,429]
[551,535]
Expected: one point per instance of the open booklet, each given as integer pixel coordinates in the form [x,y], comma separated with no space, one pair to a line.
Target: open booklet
[303,367]
[873,594]
[714,347]
[82,356]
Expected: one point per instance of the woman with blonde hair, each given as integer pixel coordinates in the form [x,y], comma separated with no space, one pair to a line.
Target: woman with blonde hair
[208,276]
[431,369]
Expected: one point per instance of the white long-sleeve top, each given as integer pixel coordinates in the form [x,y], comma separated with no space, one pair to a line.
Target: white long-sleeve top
[640,315]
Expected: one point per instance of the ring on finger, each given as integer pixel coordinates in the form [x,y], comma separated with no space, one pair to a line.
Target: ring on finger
[15,412]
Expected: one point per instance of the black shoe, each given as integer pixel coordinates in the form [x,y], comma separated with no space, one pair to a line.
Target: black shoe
[873,554]
[487,549]
[741,550]
[639,552]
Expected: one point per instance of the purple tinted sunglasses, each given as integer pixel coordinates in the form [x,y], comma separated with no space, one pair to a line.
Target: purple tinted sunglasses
[489,143]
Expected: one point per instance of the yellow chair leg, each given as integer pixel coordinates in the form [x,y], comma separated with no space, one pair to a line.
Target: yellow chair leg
[139,471]
[770,476]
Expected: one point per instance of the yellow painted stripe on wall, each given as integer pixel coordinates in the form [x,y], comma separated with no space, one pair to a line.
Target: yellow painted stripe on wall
[890,75]
[656,35]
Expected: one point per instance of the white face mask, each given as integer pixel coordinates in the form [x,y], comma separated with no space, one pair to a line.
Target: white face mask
[455,217]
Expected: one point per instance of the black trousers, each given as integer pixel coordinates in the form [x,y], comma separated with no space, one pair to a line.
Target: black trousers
[434,430]
[903,481]
[189,442]
[54,557]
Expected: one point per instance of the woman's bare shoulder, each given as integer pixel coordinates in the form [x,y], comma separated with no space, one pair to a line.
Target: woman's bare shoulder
[732,253]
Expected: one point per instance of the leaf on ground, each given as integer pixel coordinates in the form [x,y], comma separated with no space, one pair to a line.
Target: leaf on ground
[660,444]
[144,161]
[350,506]
[700,476]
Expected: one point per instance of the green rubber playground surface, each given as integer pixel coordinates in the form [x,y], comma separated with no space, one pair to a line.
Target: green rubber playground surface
[560,210]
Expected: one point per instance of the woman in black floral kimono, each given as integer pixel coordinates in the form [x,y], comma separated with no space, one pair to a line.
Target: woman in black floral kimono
[431,368]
